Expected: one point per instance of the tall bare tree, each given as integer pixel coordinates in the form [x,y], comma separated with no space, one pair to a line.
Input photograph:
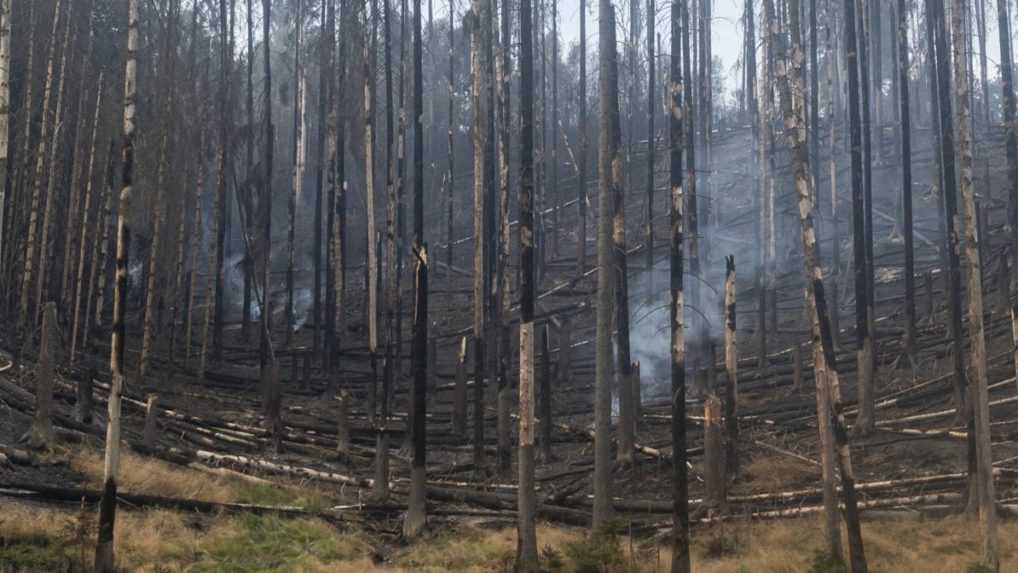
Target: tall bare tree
[680,479]
[979,396]
[416,517]
[526,548]
[104,558]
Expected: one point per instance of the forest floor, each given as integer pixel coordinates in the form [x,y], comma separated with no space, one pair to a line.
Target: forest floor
[212,495]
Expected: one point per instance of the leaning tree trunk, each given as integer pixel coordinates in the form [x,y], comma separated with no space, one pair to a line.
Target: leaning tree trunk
[104,561]
[826,372]
[31,246]
[526,547]
[79,286]
[979,396]
[45,249]
[680,478]
[606,261]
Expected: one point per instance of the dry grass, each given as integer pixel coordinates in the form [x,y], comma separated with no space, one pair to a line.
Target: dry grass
[774,472]
[155,477]
[39,538]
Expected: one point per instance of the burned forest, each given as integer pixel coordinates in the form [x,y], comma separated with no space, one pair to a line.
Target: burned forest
[508,285]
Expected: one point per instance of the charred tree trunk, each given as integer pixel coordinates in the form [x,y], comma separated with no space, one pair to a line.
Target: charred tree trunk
[680,479]
[651,140]
[451,173]
[371,260]
[479,21]
[526,547]
[581,127]
[909,341]
[828,394]
[104,559]
[979,396]
[606,261]
[297,182]
[1011,147]
[416,518]
[79,287]
[5,110]
[31,245]
[731,371]
[862,219]
[503,69]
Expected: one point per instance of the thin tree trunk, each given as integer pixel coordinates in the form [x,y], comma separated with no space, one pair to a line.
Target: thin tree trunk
[526,547]
[862,235]
[371,260]
[79,288]
[979,400]
[731,371]
[249,193]
[451,173]
[680,479]
[297,182]
[265,207]
[5,26]
[606,260]
[1011,147]
[651,139]
[581,127]
[97,288]
[909,341]
[153,288]
[624,368]
[392,278]
[826,373]
[503,69]
[31,246]
[479,24]
[416,517]
[104,559]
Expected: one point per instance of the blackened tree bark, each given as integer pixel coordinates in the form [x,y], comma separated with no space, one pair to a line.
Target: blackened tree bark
[581,126]
[651,139]
[983,488]
[1011,147]
[680,479]
[416,518]
[526,548]
[789,71]
[909,341]
[865,422]
[606,261]
[479,27]
[104,558]
[624,370]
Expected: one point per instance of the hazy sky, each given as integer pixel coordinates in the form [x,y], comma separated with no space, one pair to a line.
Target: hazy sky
[726,30]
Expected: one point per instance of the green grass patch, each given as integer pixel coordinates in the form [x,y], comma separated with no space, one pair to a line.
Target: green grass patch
[271,494]
[271,544]
[34,552]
